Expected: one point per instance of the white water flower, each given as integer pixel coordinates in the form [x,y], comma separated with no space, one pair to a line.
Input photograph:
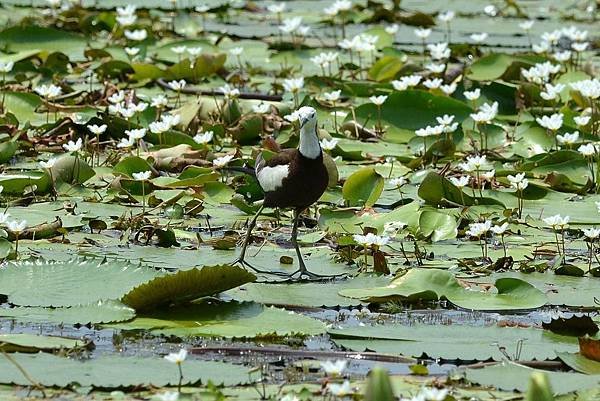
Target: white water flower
[17,226]
[475,163]
[168,396]
[291,25]
[276,8]
[222,161]
[378,100]
[73,146]
[132,51]
[392,29]
[194,51]
[136,133]
[439,51]
[97,129]
[552,123]
[179,49]
[567,138]
[142,175]
[588,87]
[448,89]
[203,137]
[562,56]
[126,142]
[552,92]
[47,164]
[329,144]
[6,67]
[117,97]
[446,16]
[340,390]
[582,121]
[4,216]
[177,357]
[159,127]
[236,51]
[433,83]
[430,131]
[557,221]
[472,95]
[48,91]
[126,20]
[435,68]
[229,92]
[587,149]
[591,233]
[499,230]
[486,113]
[137,35]
[526,25]
[479,37]
[434,394]
[334,368]
[370,239]
[580,46]
[477,230]
[293,85]
[422,33]
[461,181]
[159,101]
[333,96]
[177,85]
[171,120]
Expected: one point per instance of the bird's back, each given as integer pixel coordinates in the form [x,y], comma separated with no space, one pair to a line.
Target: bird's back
[290,180]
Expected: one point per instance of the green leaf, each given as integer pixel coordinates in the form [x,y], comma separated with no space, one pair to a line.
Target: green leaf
[379,386]
[70,283]
[131,164]
[385,69]
[460,341]
[438,226]
[435,188]
[72,169]
[27,37]
[511,376]
[229,319]
[494,66]
[15,184]
[186,285]
[35,343]
[411,110]
[433,284]
[116,371]
[580,363]
[363,187]
[98,312]
[23,106]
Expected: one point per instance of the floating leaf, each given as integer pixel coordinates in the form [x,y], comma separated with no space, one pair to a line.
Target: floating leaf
[363,187]
[70,283]
[117,371]
[230,319]
[97,312]
[433,284]
[35,343]
[186,285]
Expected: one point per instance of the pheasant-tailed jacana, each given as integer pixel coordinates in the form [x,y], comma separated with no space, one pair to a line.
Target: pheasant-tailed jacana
[292,179]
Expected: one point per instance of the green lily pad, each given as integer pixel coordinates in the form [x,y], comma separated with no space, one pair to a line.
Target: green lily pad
[35,343]
[230,319]
[116,371]
[433,284]
[186,285]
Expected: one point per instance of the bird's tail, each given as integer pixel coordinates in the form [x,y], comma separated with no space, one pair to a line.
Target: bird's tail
[240,169]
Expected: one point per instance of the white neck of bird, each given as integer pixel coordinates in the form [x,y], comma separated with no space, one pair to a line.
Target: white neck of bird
[310,146]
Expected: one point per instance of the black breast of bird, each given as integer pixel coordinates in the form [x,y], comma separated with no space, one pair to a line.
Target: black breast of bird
[291,180]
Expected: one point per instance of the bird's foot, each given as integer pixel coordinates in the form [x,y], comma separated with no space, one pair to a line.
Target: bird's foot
[247,265]
[305,275]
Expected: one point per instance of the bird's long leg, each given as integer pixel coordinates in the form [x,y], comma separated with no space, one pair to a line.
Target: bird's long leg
[242,258]
[302,270]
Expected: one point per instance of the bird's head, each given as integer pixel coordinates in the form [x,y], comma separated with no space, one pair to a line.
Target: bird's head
[307,117]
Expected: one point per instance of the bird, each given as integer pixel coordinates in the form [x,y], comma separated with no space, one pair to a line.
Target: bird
[293,179]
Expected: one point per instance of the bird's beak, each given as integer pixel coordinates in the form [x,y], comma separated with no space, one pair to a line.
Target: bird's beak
[303,120]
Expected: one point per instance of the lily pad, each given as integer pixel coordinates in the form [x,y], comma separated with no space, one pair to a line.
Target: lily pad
[433,284]
[35,343]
